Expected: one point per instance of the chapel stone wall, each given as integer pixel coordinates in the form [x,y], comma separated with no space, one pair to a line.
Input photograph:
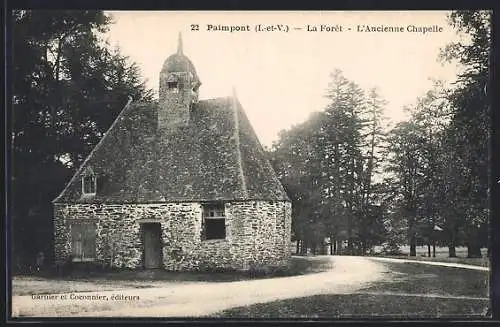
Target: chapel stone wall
[257,234]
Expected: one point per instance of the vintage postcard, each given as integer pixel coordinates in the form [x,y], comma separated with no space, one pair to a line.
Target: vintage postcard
[294,164]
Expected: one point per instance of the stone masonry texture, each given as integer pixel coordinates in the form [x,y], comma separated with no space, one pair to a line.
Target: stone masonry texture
[257,234]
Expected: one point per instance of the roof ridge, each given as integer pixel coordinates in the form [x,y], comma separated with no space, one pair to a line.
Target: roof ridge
[238,147]
[265,162]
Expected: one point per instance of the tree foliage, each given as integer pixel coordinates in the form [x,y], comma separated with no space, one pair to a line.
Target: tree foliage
[450,129]
[68,87]
[327,165]
[425,181]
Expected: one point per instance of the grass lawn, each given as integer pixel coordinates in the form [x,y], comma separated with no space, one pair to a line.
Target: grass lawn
[411,290]
[441,255]
[359,306]
[482,262]
[420,279]
[81,280]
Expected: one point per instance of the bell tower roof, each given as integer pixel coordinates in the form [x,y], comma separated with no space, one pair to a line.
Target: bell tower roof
[179,69]
[179,62]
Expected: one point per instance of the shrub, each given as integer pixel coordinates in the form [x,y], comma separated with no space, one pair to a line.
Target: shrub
[391,248]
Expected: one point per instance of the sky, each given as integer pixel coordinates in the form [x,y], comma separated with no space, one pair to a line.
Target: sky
[280,76]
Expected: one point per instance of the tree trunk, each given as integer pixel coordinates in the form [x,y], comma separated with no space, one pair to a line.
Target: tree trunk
[335,247]
[413,245]
[451,246]
[473,244]
[331,246]
[451,251]
[297,249]
[349,247]
[428,249]
[433,249]
[474,250]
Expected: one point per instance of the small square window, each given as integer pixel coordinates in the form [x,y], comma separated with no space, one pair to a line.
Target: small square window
[214,221]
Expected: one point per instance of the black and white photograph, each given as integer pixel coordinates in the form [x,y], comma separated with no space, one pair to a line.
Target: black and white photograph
[250,164]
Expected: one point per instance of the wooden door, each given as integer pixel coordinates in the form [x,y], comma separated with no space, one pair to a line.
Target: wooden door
[152,245]
[83,241]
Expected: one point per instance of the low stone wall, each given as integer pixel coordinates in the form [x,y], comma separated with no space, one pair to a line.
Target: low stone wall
[257,234]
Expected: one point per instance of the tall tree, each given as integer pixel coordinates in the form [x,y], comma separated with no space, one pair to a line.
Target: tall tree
[450,129]
[290,157]
[469,130]
[322,163]
[406,164]
[68,87]
[347,104]
[371,207]
[432,114]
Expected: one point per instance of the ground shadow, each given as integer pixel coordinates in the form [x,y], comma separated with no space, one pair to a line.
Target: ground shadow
[49,281]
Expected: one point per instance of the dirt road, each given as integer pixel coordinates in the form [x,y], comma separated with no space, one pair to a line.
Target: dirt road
[197,299]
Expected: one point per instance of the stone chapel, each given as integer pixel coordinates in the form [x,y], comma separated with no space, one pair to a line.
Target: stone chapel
[180,184]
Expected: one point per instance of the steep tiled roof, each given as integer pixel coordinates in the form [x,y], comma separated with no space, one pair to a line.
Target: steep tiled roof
[216,157]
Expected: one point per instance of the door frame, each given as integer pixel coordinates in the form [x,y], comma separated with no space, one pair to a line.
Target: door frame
[144,224]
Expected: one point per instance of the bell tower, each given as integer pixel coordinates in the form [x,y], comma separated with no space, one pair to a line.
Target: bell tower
[178,90]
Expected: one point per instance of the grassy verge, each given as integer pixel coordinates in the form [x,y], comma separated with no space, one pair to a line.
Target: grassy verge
[360,306]
[83,280]
[415,278]
[405,293]
[482,262]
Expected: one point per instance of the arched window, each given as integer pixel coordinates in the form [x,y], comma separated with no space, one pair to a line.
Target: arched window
[89,182]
